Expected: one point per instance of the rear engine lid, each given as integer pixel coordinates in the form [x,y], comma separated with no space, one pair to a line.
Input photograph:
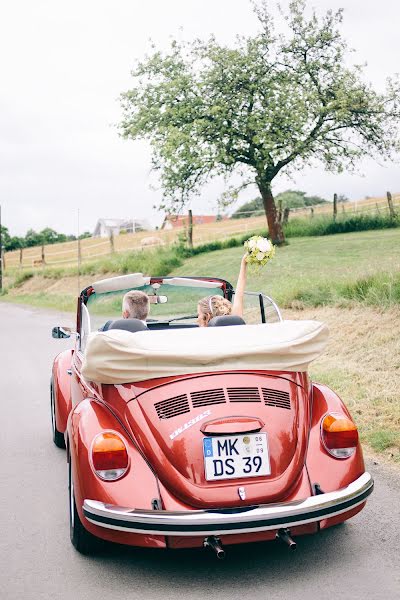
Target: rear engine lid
[171,422]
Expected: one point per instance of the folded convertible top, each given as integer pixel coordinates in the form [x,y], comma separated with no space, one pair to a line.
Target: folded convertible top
[123,357]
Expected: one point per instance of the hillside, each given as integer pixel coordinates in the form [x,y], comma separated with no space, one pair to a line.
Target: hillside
[338,269]
[66,253]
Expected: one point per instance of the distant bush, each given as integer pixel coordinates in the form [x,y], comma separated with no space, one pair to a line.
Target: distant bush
[287,199]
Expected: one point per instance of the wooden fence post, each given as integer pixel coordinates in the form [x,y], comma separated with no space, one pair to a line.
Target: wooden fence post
[392,214]
[21,257]
[286,215]
[190,229]
[112,241]
[280,213]
[43,256]
[334,206]
[311,213]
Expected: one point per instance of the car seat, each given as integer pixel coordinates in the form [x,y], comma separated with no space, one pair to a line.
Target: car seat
[225,320]
[132,325]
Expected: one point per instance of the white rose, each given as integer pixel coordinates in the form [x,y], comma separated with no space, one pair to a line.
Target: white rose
[264,245]
[260,256]
[252,244]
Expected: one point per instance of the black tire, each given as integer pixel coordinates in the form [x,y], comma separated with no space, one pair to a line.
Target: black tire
[81,539]
[58,437]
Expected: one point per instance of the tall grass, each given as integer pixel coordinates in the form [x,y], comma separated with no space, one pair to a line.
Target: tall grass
[324,225]
[381,290]
[21,277]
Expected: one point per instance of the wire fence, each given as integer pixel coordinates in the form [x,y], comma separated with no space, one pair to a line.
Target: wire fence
[86,250]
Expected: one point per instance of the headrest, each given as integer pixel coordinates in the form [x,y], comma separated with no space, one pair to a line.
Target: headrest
[225,320]
[131,325]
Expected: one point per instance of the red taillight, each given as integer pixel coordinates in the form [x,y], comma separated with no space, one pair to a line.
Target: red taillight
[109,456]
[339,435]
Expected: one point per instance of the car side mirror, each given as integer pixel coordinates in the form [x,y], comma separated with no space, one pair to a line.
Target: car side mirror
[61,332]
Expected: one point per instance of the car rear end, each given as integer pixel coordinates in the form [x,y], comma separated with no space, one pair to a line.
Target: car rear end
[230,452]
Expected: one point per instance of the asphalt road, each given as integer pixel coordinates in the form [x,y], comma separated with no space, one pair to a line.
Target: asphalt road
[358,560]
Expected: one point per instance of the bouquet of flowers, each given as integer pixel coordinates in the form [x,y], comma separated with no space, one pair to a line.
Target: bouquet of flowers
[259,250]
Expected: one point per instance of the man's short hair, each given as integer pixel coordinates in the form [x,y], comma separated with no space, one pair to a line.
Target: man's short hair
[137,304]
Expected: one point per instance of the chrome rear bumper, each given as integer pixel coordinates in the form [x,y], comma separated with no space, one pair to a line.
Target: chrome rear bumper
[228,521]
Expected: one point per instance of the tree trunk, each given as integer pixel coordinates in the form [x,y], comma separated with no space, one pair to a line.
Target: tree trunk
[274,227]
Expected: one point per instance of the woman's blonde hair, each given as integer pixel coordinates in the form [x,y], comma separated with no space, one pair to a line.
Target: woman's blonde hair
[215,306]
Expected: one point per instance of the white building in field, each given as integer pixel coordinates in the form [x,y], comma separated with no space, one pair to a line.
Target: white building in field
[104,227]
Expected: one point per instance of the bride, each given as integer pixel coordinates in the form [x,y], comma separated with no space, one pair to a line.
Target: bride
[217,306]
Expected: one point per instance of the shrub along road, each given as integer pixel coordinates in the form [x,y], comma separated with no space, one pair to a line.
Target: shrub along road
[358,560]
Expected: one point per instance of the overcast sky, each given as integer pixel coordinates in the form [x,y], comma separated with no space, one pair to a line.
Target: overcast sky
[63,66]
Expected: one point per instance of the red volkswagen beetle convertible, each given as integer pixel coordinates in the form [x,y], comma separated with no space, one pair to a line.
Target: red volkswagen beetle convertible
[182,436]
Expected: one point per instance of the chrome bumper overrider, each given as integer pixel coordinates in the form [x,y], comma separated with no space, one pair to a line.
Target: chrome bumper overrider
[234,520]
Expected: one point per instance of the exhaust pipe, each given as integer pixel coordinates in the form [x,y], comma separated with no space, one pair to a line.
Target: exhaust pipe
[284,535]
[214,543]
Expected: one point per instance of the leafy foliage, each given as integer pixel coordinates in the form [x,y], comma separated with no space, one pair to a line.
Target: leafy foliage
[272,104]
[34,238]
[5,236]
[287,199]
[297,199]
[253,208]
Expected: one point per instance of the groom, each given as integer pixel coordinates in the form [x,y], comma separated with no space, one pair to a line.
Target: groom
[135,305]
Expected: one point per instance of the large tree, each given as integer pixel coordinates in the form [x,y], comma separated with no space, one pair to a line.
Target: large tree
[274,103]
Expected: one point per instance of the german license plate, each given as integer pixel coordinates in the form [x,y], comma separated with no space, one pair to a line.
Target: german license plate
[236,456]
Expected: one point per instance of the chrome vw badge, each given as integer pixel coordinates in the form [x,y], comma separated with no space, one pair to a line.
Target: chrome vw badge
[242,493]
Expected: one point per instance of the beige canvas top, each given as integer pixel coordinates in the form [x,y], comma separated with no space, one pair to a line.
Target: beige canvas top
[123,357]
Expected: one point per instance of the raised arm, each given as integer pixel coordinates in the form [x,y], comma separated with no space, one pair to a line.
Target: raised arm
[238,301]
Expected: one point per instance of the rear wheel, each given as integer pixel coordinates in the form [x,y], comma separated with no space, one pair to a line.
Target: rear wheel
[58,437]
[81,539]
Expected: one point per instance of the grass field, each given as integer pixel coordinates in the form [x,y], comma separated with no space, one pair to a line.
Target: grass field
[316,271]
[362,364]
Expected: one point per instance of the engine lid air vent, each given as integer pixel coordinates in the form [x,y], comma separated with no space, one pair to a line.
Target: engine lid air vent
[172,407]
[276,398]
[207,397]
[244,394]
